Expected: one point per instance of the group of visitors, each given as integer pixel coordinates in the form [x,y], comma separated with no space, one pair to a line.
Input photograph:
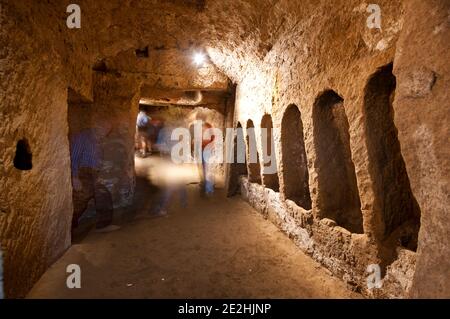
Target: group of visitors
[86,161]
[177,187]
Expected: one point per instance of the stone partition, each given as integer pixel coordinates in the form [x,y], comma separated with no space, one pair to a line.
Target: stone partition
[115,108]
[422,116]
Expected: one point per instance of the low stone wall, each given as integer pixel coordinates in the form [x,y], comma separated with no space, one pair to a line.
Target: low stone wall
[346,255]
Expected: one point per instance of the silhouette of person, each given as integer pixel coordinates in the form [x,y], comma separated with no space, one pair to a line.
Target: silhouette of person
[174,183]
[86,160]
[207,166]
[143,128]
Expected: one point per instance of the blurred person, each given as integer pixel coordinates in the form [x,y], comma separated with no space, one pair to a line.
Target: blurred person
[143,127]
[151,135]
[163,141]
[86,161]
[208,178]
[174,183]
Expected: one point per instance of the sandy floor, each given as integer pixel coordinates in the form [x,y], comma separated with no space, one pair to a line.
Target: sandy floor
[214,248]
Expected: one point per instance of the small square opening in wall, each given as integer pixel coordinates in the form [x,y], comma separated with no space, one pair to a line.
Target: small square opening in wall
[23,157]
[142,53]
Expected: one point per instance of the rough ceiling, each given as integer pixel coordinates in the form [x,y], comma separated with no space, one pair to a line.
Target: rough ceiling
[237,34]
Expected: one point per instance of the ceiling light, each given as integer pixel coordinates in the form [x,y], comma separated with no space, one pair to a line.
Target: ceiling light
[199,58]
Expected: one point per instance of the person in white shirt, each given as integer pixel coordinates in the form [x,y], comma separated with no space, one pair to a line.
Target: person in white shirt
[142,129]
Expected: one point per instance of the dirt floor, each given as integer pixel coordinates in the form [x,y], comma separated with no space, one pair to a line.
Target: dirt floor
[215,247]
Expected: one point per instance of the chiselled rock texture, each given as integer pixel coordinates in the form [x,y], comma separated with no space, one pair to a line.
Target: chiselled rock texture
[307,64]
[290,74]
[115,108]
[422,116]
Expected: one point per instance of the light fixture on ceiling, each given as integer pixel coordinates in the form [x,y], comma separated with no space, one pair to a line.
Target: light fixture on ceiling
[199,58]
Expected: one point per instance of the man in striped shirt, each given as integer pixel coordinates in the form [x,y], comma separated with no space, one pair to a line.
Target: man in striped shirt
[86,163]
[84,153]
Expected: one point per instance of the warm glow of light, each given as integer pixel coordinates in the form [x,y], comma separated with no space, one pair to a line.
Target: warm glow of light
[163,172]
[199,58]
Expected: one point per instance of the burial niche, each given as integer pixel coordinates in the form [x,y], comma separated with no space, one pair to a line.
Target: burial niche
[338,197]
[393,196]
[238,166]
[269,178]
[239,143]
[253,165]
[295,163]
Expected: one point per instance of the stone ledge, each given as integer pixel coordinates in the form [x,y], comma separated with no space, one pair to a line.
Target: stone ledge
[344,254]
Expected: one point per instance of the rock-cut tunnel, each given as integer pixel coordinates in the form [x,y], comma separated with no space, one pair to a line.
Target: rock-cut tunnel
[224,149]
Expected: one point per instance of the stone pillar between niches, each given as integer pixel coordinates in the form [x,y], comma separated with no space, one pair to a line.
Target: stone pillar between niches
[421,116]
[116,103]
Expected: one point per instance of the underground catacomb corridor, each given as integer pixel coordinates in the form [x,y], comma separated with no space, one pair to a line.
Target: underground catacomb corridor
[217,256]
[206,149]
